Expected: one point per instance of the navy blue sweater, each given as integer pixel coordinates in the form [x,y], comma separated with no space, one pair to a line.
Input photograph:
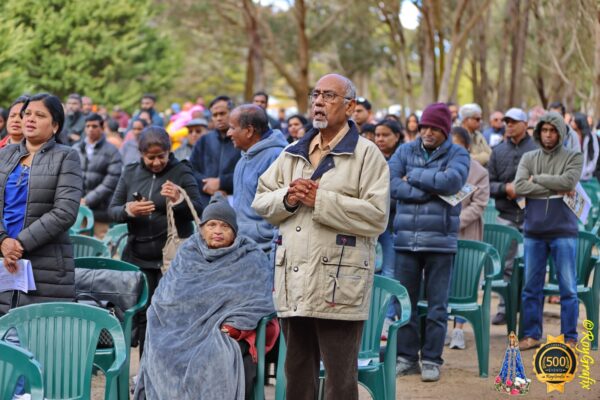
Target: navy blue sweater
[214,156]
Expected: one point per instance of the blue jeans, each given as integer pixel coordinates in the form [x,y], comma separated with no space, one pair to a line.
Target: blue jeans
[438,270]
[563,252]
[386,239]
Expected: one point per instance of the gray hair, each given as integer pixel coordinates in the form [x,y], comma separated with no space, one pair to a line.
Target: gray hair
[469,110]
[350,89]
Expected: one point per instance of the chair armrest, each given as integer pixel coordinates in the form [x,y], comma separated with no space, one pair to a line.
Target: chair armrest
[119,351]
[494,264]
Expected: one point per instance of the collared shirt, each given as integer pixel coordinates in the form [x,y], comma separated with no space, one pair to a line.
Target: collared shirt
[89,149]
[428,153]
[316,150]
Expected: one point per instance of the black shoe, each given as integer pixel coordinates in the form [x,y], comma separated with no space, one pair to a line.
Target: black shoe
[499,319]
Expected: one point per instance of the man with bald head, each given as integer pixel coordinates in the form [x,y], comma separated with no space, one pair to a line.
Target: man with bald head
[329,194]
[260,146]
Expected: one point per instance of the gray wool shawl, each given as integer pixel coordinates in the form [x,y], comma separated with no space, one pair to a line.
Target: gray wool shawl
[186,355]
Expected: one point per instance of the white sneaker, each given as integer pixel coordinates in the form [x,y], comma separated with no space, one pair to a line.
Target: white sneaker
[25,396]
[447,339]
[458,339]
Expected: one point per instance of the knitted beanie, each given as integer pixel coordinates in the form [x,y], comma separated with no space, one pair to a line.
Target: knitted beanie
[219,209]
[437,115]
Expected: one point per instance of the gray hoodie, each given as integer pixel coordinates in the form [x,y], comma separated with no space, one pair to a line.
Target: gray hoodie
[552,172]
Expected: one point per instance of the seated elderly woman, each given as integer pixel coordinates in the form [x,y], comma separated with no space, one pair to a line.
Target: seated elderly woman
[218,287]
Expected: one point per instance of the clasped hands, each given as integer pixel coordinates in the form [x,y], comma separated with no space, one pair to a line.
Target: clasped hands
[302,191]
[12,252]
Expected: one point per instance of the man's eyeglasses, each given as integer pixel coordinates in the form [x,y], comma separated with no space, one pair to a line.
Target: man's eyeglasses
[195,130]
[329,97]
[478,119]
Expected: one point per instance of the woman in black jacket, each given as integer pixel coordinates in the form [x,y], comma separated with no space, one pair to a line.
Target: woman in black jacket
[141,200]
[41,189]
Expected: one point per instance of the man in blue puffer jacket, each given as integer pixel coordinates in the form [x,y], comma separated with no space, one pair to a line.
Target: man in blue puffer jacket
[426,229]
[260,146]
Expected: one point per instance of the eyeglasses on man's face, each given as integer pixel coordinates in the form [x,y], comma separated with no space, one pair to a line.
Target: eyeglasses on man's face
[328,96]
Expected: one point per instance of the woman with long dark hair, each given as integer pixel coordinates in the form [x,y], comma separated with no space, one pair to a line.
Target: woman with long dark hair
[42,187]
[589,145]
[412,128]
[14,125]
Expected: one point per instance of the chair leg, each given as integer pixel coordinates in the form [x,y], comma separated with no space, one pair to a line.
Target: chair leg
[591,313]
[509,309]
[482,340]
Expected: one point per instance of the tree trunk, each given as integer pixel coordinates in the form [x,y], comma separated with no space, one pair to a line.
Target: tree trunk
[507,27]
[460,32]
[428,79]
[481,56]
[518,54]
[255,76]
[596,109]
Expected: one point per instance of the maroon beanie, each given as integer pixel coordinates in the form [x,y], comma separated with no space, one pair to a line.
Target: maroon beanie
[437,115]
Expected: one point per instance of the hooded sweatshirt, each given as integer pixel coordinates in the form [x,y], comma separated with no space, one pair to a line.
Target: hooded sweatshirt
[249,168]
[552,171]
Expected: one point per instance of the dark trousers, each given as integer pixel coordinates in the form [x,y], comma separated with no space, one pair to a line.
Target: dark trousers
[437,270]
[308,341]
[153,276]
[249,369]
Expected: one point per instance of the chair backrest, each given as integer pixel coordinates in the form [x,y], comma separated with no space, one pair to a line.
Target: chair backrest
[383,290]
[84,222]
[490,213]
[470,260]
[86,246]
[118,265]
[586,242]
[63,338]
[14,363]
[116,239]
[500,237]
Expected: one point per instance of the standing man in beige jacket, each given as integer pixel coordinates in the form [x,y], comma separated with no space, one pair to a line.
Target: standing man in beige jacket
[329,195]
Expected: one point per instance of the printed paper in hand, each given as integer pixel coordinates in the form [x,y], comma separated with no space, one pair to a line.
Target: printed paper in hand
[21,280]
[579,203]
[462,194]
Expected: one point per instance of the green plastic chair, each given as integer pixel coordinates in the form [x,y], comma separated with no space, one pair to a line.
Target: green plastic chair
[592,188]
[588,294]
[116,239]
[501,237]
[84,224]
[87,246]
[104,357]
[14,363]
[490,213]
[261,338]
[470,261]
[379,378]
[63,338]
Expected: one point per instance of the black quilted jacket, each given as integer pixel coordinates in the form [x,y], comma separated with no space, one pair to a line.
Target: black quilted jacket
[100,176]
[55,190]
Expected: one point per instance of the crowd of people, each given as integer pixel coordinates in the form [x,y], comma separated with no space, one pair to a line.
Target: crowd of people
[296,204]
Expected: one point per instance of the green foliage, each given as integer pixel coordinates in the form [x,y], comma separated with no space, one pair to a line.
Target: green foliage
[106,49]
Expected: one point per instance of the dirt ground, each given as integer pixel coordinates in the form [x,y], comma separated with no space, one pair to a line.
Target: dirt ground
[460,377]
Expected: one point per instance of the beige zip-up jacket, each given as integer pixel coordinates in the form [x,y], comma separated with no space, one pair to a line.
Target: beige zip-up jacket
[316,274]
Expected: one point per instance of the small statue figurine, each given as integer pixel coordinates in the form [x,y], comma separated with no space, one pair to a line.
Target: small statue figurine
[512,380]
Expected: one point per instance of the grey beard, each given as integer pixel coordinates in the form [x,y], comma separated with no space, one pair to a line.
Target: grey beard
[320,124]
